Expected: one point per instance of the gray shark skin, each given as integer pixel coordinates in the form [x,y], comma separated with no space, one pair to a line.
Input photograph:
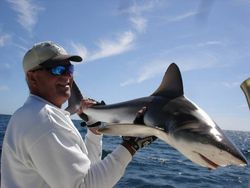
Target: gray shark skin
[172,118]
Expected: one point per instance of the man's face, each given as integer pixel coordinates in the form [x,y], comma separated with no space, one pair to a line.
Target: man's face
[53,88]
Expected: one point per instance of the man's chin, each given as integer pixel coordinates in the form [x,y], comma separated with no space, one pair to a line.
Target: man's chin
[64,96]
[67,94]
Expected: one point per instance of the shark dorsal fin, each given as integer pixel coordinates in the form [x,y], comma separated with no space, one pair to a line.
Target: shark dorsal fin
[171,85]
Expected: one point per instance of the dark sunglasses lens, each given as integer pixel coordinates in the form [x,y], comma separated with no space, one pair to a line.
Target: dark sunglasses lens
[59,70]
[71,69]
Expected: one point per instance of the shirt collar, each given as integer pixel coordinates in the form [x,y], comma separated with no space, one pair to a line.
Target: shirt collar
[35,97]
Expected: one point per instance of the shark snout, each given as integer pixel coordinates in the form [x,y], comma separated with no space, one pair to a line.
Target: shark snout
[212,156]
[208,151]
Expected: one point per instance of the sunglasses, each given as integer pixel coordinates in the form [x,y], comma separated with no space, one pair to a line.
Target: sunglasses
[59,70]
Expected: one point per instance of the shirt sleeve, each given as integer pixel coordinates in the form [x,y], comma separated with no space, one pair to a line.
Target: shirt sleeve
[94,146]
[62,163]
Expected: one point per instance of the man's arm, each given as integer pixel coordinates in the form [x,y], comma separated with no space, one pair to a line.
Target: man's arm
[63,163]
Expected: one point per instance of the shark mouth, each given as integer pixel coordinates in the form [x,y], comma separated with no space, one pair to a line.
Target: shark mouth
[211,163]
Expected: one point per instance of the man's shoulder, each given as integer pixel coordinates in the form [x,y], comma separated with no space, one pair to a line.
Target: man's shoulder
[27,124]
[30,111]
[40,116]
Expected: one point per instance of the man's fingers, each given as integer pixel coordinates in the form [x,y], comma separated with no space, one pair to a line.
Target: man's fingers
[142,110]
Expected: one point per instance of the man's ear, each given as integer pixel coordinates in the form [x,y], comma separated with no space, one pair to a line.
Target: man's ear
[31,79]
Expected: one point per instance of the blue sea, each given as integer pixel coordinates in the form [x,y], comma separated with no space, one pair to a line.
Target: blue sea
[159,165]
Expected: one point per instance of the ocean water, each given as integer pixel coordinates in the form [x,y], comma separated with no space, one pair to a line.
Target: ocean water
[159,165]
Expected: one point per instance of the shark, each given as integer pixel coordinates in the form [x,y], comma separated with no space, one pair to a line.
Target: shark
[171,117]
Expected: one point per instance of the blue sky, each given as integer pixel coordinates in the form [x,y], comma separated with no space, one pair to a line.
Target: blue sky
[127,45]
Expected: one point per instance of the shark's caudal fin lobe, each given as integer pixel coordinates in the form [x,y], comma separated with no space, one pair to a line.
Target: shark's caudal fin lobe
[171,85]
[75,99]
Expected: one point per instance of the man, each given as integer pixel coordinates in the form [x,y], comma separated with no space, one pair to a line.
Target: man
[42,147]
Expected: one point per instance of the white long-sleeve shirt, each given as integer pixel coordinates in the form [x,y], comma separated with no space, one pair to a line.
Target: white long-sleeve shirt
[42,148]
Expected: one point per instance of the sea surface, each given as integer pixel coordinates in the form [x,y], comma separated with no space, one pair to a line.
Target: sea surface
[159,165]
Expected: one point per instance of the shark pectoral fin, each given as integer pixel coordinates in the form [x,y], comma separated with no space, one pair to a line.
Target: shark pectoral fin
[171,85]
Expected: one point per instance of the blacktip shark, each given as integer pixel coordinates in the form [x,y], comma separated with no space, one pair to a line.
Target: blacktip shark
[171,117]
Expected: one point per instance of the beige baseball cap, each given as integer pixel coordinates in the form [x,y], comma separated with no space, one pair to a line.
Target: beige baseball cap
[46,53]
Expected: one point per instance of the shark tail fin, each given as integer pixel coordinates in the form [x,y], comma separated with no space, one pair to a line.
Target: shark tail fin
[245,86]
[171,85]
[74,100]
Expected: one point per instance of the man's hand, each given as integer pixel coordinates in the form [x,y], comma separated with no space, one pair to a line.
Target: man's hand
[133,144]
[87,103]
[139,119]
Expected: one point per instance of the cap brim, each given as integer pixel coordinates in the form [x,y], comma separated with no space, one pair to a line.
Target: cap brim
[61,60]
[74,58]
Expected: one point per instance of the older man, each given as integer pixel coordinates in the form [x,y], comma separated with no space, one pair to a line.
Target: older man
[42,147]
